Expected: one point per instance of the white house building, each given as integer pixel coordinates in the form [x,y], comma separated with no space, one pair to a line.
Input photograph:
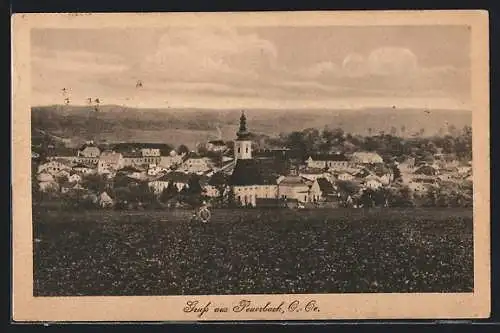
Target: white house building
[110,162]
[89,150]
[363,157]
[328,161]
[294,187]
[196,165]
[84,169]
[54,167]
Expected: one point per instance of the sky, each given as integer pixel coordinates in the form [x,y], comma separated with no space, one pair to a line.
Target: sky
[254,67]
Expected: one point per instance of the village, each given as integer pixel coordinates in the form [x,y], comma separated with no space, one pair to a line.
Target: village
[132,175]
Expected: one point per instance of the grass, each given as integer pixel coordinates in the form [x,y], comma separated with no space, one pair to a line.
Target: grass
[253,252]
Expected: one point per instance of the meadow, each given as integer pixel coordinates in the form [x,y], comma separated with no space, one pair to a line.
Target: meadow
[252,251]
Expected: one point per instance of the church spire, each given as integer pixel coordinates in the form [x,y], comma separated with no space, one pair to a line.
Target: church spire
[243,132]
[243,122]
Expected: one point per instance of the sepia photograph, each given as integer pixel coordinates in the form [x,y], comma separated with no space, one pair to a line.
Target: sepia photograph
[268,162]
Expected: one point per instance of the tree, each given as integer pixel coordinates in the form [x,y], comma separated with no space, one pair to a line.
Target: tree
[230,198]
[402,196]
[192,192]
[396,173]
[348,187]
[169,192]
[296,141]
[182,149]
[367,198]
[123,197]
[94,183]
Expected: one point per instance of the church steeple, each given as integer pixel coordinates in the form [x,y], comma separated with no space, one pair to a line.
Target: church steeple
[243,133]
[243,143]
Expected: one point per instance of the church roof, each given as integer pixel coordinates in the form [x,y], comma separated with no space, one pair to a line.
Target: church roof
[248,172]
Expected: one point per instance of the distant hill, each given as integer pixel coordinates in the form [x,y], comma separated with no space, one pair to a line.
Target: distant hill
[189,126]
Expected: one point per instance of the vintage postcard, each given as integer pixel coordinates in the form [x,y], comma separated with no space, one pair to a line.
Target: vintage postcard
[251,166]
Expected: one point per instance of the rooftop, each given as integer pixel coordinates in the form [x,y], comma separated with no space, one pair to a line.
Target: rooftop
[249,172]
[175,176]
[325,186]
[329,157]
[293,180]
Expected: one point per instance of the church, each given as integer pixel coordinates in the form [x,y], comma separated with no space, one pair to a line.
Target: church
[247,180]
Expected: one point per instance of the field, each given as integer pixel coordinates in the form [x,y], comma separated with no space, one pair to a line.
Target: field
[252,252]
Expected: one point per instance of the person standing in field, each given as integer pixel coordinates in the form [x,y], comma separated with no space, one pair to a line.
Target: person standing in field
[202,213]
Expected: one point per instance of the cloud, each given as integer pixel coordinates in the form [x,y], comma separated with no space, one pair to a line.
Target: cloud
[80,62]
[389,71]
[354,65]
[392,61]
[209,55]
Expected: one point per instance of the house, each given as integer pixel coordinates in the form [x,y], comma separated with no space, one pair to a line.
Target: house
[372,182]
[421,183]
[68,187]
[45,177]
[312,176]
[361,173]
[110,162]
[427,170]
[132,172]
[179,179]
[132,158]
[418,187]
[315,194]
[63,174]
[464,170]
[407,165]
[446,176]
[89,150]
[170,161]
[196,165]
[84,169]
[216,146]
[362,157]
[105,201]
[293,187]
[74,178]
[150,152]
[248,179]
[48,186]
[330,161]
[345,176]
[54,167]
[386,178]
[448,161]
[155,170]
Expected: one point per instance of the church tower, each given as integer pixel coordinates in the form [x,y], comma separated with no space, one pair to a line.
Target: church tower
[243,144]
